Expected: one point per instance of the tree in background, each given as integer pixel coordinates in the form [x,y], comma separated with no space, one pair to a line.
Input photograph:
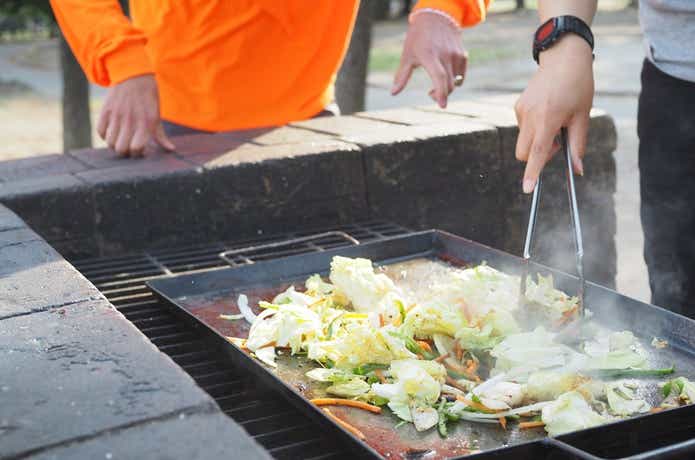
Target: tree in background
[351,83]
[77,127]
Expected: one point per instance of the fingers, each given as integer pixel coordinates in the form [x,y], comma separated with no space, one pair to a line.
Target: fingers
[103,123]
[405,70]
[125,135]
[540,153]
[139,141]
[577,131]
[111,134]
[442,81]
[162,139]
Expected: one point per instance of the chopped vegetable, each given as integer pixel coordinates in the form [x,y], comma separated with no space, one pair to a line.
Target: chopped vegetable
[617,373]
[349,389]
[232,317]
[346,402]
[622,400]
[528,425]
[569,412]
[345,424]
[243,304]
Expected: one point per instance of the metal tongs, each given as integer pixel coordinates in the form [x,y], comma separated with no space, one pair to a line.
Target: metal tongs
[576,226]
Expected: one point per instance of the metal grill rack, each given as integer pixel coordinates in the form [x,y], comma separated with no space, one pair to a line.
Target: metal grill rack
[279,427]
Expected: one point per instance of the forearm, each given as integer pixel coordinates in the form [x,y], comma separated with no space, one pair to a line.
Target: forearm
[583,9]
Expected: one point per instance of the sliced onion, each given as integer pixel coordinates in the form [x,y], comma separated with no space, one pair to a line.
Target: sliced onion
[243,304]
[452,390]
[519,410]
[267,356]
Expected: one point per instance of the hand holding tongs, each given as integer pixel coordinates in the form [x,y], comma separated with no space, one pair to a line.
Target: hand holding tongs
[576,225]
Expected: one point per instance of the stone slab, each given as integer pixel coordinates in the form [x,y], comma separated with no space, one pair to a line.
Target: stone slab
[34,277]
[136,169]
[36,186]
[343,126]
[204,436]
[289,135]
[413,116]
[64,216]
[39,167]
[9,220]
[80,370]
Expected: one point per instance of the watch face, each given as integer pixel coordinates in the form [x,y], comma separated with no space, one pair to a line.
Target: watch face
[545,31]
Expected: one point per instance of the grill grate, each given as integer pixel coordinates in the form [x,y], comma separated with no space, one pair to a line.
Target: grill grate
[275,424]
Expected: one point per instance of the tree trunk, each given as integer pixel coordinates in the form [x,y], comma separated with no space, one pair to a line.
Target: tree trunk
[351,84]
[77,126]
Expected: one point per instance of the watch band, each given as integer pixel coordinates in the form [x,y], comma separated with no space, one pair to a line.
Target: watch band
[554,28]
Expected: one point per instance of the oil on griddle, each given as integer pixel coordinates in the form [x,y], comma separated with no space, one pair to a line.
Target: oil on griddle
[380,429]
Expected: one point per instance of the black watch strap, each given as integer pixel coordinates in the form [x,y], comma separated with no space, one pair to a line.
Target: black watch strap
[554,28]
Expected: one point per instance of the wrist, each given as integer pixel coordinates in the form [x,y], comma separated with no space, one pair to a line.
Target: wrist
[570,47]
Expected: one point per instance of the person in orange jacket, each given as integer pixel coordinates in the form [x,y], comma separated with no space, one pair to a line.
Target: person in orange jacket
[206,66]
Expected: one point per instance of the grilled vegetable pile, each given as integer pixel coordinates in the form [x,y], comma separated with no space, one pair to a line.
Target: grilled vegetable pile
[456,350]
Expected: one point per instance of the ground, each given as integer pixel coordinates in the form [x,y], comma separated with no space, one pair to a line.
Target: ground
[499,67]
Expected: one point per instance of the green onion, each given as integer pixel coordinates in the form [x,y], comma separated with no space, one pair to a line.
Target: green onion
[632,372]
[365,369]
[666,390]
[401,309]
[441,424]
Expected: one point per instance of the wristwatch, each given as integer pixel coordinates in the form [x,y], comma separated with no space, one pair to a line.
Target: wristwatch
[554,28]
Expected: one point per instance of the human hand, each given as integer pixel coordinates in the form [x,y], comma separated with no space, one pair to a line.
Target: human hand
[559,94]
[434,43]
[130,117]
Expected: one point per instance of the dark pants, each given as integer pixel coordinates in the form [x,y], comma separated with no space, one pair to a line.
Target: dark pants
[666,129]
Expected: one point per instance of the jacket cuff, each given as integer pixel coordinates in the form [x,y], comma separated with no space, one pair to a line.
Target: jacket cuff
[465,12]
[126,62]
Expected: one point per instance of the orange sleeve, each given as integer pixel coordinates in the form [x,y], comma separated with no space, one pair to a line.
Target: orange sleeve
[107,46]
[466,12]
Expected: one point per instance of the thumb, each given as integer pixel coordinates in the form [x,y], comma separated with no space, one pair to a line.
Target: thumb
[577,132]
[405,69]
[162,139]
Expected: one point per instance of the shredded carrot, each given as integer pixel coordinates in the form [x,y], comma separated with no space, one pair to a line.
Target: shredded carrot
[381,320]
[441,358]
[410,307]
[269,344]
[451,382]
[424,345]
[567,316]
[466,313]
[345,424]
[472,367]
[527,425]
[654,410]
[419,356]
[397,320]
[476,405]
[380,375]
[458,352]
[461,370]
[503,422]
[346,402]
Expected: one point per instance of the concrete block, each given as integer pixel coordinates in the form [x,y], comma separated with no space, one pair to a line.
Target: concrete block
[39,167]
[196,436]
[79,371]
[34,277]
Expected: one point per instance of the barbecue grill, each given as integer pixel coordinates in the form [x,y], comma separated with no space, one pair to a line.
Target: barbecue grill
[287,432]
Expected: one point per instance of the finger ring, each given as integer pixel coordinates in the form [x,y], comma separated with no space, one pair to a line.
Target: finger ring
[458,80]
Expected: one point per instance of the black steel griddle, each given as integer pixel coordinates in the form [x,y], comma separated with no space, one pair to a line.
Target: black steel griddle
[200,298]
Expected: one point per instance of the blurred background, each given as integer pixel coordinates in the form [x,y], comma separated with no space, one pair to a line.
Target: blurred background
[47,106]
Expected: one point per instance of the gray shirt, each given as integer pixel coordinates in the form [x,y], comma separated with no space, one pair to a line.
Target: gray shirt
[669,35]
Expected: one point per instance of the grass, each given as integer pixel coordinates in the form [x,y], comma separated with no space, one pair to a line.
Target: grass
[387,59]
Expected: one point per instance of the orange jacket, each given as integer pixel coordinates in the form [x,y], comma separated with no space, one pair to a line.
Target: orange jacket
[224,65]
